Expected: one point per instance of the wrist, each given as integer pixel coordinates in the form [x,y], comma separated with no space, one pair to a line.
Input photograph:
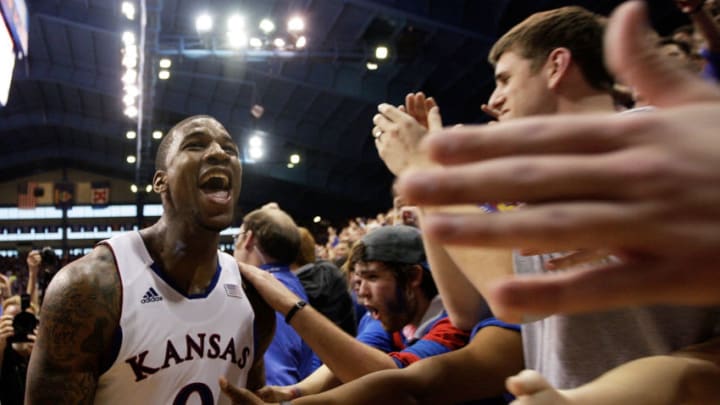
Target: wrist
[297,307]
[295,392]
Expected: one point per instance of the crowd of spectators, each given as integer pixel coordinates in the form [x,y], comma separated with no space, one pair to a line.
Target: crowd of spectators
[420,304]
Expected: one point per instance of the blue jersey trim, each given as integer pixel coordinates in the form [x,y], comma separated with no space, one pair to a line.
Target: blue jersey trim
[492,321]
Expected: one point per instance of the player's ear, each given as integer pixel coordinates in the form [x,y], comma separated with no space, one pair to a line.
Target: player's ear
[160,181]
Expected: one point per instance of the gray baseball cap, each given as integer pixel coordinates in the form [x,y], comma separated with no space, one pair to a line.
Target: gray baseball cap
[395,244]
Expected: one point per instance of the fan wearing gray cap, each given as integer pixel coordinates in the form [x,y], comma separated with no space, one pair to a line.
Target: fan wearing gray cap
[391,278]
[406,321]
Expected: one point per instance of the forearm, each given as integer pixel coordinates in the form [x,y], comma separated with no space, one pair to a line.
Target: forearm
[461,299]
[386,386]
[479,267]
[32,287]
[319,381]
[346,357]
[673,380]
[475,372]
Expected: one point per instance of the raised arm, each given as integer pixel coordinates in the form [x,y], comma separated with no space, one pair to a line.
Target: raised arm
[345,356]
[33,264]
[80,313]
[461,274]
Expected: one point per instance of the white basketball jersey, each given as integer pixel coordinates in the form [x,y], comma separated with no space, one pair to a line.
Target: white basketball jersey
[173,347]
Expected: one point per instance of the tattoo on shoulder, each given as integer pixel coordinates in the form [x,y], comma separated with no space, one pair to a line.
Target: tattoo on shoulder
[78,318]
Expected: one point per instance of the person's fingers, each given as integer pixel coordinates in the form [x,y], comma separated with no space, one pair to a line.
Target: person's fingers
[640,282]
[274,393]
[632,55]
[527,382]
[251,272]
[527,179]
[430,103]
[549,135]
[392,114]
[410,104]
[239,396]
[434,119]
[549,227]
[383,122]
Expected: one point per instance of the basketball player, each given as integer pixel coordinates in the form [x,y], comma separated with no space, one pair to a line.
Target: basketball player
[157,316]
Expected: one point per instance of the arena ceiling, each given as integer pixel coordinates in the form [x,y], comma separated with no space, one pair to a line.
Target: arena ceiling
[66,110]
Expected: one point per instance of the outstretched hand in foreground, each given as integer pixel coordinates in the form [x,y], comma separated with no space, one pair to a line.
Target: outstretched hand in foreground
[643,186]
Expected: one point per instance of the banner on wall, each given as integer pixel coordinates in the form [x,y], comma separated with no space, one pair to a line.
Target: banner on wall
[100,194]
[64,195]
[26,195]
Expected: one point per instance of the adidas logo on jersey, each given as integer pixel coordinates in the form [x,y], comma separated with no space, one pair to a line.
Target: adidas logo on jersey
[150,296]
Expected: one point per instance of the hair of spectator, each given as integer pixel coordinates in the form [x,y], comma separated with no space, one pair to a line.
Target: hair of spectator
[275,232]
[306,253]
[574,28]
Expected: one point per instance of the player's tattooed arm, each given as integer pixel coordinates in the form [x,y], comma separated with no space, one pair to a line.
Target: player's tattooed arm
[80,313]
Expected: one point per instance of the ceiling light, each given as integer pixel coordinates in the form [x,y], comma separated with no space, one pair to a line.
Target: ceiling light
[133,188]
[165,63]
[157,134]
[131,50]
[300,42]
[279,43]
[295,24]
[203,23]
[128,100]
[256,42]
[131,134]
[381,52]
[295,158]
[131,159]
[255,141]
[236,23]
[129,61]
[132,89]
[317,219]
[371,66]
[128,9]
[128,37]
[267,26]
[256,153]
[164,74]
[130,76]
[237,39]
[131,111]
[148,188]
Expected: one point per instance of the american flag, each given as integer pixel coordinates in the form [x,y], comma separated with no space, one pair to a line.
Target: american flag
[26,195]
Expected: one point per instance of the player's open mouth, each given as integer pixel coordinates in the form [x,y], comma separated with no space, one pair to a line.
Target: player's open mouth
[216,185]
